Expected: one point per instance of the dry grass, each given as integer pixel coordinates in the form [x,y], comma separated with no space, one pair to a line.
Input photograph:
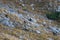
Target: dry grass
[14,33]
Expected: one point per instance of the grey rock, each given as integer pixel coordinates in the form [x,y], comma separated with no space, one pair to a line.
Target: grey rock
[6,21]
[58,9]
[37,31]
[55,30]
[21,0]
[32,5]
[23,4]
[33,8]
[50,38]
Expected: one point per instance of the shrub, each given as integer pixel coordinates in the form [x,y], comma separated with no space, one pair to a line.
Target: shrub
[53,15]
[24,8]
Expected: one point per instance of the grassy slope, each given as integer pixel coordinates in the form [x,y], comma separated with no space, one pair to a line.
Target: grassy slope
[14,34]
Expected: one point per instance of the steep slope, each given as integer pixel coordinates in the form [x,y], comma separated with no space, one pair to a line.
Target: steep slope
[20,21]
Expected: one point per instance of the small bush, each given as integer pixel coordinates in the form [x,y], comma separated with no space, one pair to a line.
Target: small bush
[53,15]
[24,8]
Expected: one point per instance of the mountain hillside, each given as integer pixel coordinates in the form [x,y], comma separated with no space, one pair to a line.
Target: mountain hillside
[27,20]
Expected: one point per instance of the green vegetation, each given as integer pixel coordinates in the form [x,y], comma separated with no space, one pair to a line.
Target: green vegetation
[24,8]
[53,15]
